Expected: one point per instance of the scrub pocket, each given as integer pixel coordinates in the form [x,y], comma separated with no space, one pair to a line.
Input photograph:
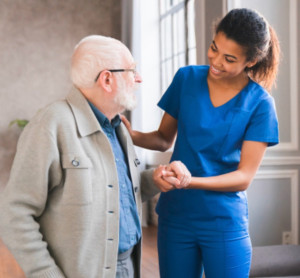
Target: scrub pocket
[77,187]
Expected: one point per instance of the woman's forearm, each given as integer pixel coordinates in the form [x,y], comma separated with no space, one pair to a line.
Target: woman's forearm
[232,182]
[251,156]
[151,140]
[159,140]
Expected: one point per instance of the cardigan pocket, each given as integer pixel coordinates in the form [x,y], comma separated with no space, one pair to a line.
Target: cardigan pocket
[77,185]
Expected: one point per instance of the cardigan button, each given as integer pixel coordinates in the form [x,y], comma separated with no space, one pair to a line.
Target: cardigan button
[75,162]
[137,162]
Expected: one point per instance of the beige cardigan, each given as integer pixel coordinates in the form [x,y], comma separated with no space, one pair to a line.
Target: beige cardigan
[59,213]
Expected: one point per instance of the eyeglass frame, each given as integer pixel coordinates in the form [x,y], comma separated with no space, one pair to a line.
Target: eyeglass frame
[116,70]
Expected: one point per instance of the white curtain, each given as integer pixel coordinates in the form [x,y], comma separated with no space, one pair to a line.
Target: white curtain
[131,38]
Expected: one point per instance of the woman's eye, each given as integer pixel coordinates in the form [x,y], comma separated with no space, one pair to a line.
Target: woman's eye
[229,61]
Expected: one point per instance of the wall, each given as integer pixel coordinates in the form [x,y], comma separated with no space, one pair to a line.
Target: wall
[36,41]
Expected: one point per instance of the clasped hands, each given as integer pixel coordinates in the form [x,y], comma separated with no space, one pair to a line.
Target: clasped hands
[172,176]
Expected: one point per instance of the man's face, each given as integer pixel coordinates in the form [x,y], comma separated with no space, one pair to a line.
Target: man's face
[125,96]
[127,85]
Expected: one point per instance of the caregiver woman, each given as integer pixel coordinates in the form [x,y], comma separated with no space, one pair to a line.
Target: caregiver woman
[224,119]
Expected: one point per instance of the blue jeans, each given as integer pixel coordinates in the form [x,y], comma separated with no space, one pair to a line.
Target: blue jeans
[185,251]
[125,265]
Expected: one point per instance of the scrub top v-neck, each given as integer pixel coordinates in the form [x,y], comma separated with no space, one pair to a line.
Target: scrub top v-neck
[209,142]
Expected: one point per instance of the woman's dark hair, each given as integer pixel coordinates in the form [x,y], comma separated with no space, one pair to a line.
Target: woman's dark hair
[251,30]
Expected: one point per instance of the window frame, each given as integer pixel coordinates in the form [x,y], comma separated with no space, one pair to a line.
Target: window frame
[173,53]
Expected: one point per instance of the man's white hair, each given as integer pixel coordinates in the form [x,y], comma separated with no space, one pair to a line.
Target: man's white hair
[93,54]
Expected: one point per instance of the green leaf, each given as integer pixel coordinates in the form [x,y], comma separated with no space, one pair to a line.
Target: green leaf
[20,122]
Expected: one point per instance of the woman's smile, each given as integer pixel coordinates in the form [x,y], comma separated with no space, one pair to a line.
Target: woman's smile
[214,70]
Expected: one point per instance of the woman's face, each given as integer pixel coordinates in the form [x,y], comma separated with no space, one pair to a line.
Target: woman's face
[227,58]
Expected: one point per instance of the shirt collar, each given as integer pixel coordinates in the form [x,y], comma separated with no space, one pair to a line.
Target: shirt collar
[103,120]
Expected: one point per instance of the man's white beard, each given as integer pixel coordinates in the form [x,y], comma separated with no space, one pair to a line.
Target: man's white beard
[125,96]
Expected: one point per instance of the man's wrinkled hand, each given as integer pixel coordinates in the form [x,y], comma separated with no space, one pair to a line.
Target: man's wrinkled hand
[165,179]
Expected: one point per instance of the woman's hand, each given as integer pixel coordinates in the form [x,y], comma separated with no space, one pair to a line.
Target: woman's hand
[181,173]
[127,124]
[169,177]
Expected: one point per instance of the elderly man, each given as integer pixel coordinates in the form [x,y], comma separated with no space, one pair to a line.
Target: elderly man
[72,206]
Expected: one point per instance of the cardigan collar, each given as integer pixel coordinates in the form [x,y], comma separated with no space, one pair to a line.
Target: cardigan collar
[85,118]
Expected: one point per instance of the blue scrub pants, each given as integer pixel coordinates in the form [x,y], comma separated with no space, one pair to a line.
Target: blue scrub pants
[185,251]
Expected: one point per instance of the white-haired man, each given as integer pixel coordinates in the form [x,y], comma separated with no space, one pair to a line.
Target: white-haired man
[72,205]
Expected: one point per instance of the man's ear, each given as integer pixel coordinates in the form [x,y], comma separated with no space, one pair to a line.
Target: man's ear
[105,81]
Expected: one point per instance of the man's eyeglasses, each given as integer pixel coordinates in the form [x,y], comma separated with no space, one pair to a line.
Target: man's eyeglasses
[116,70]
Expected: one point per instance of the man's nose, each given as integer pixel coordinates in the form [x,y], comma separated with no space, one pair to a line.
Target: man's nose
[138,78]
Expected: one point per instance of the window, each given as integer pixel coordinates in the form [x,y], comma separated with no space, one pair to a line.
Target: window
[177,38]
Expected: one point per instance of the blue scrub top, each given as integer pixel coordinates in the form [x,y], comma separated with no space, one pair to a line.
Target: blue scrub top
[209,142]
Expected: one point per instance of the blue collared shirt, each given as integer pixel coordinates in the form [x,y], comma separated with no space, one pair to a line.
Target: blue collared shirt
[129,226]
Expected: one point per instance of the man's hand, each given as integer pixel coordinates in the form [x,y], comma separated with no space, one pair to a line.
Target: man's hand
[181,173]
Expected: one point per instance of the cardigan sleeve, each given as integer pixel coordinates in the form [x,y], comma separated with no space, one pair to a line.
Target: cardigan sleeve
[148,188]
[36,168]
